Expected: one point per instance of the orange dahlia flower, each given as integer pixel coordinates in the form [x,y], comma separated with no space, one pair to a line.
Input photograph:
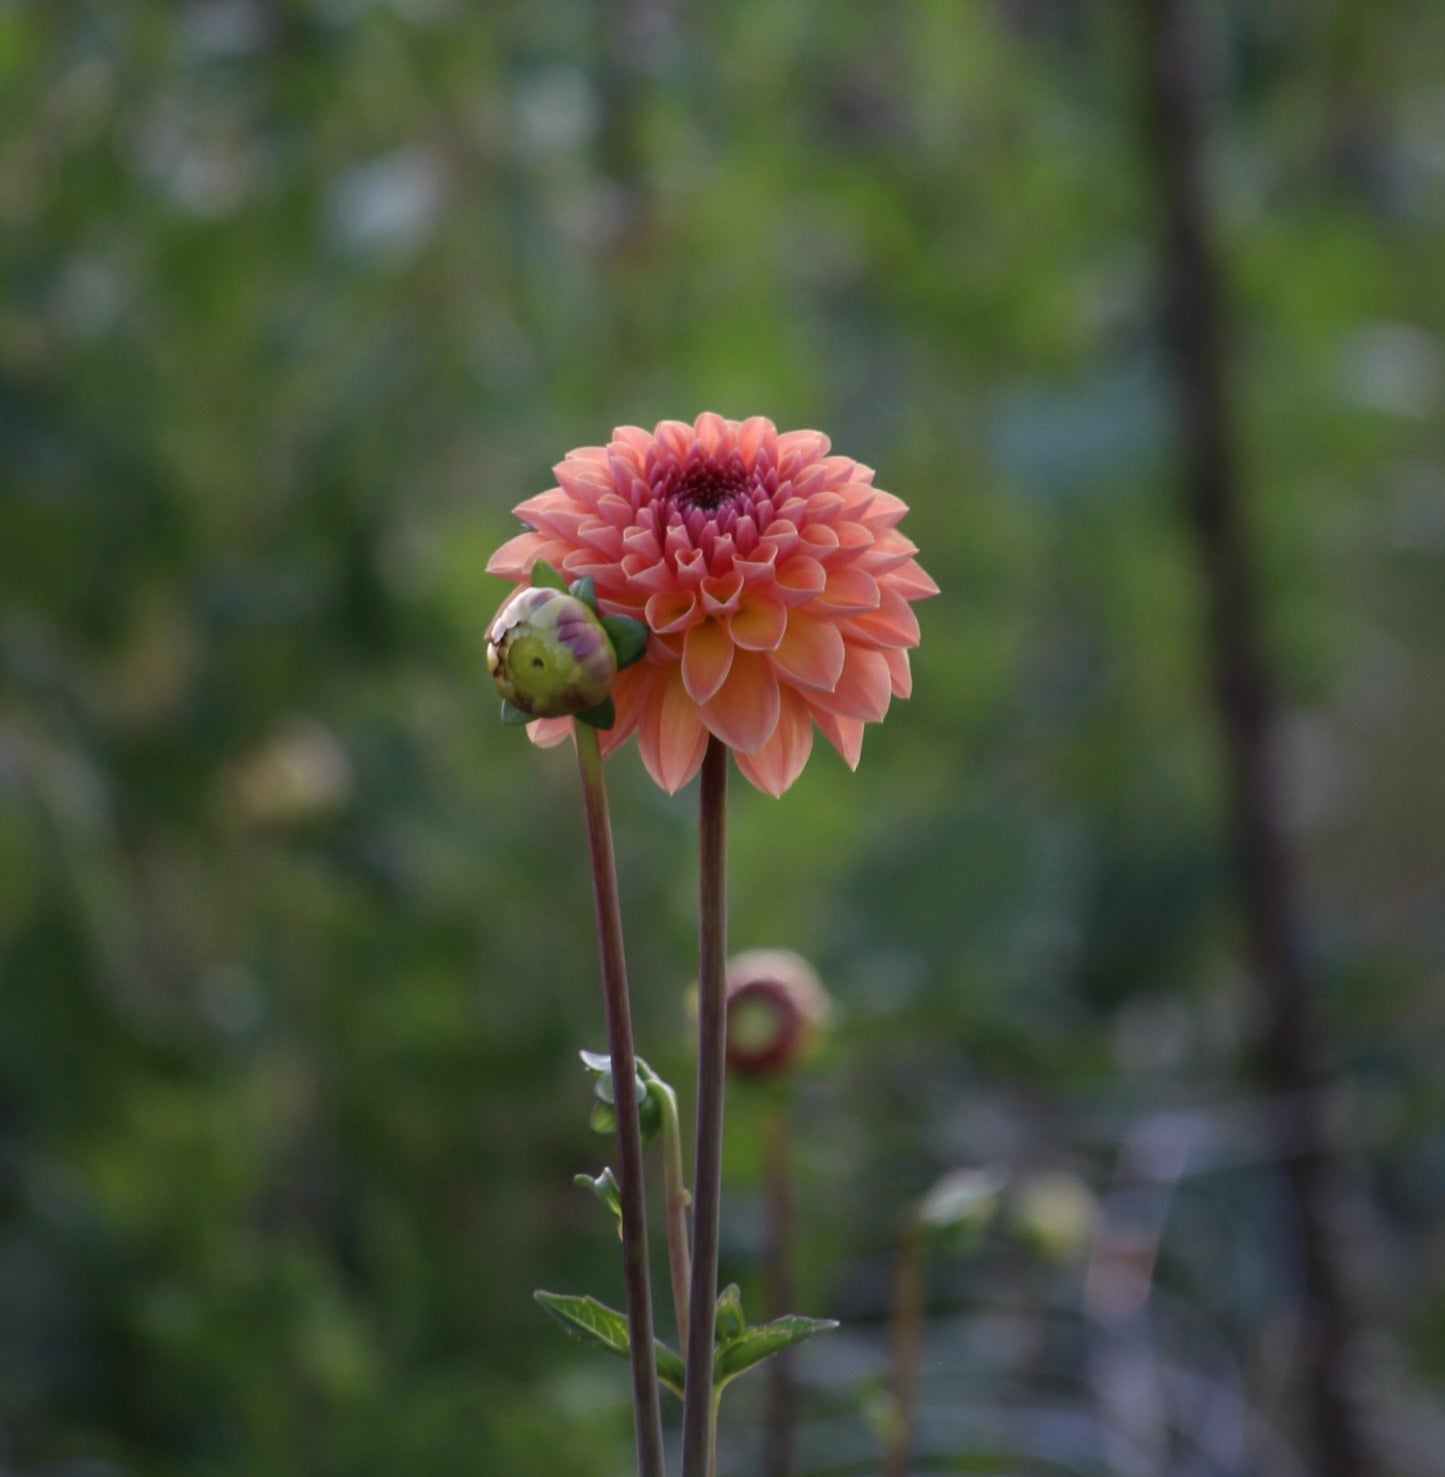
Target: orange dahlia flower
[772,576]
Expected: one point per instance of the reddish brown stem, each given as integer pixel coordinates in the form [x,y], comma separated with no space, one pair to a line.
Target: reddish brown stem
[647,1409]
[698,1415]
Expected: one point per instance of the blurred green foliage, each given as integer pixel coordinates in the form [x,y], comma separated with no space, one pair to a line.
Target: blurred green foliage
[300,296]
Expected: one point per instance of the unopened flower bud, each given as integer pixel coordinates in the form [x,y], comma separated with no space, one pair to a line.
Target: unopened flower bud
[777,1009]
[549,655]
[1055,1213]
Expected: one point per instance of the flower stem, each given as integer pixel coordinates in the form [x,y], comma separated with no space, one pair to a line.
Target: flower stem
[677,1199]
[646,1404]
[698,1410]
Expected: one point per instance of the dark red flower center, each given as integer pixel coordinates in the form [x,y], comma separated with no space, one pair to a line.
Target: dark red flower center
[709,487]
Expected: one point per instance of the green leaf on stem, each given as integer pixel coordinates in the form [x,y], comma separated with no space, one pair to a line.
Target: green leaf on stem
[604,1120]
[730,1324]
[756,1344]
[549,578]
[514,716]
[596,1323]
[607,1191]
[628,638]
[604,715]
[585,590]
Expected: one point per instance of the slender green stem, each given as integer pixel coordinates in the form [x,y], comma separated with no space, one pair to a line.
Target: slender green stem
[699,1426]
[646,1404]
[677,1199]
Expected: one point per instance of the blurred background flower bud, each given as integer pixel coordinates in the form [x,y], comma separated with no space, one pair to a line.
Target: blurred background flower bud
[777,1011]
[549,655]
[960,1206]
[1054,1213]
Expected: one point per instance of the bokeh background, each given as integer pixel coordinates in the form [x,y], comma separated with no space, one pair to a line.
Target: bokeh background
[300,296]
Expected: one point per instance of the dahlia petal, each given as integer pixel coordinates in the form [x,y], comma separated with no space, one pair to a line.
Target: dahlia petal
[631,443]
[818,539]
[545,503]
[892,624]
[630,696]
[854,540]
[899,672]
[720,592]
[761,566]
[891,545]
[671,610]
[864,689]
[603,537]
[801,578]
[647,578]
[671,736]
[745,710]
[706,660]
[514,560]
[845,735]
[781,537]
[711,431]
[753,434]
[911,582]
[676,437]
[780,761]
[811,653]
[850,591]
[547,733]
[616,510]
[643,542]
[886,509]
[799,449]
[759,622]
[691,566]
[824,507]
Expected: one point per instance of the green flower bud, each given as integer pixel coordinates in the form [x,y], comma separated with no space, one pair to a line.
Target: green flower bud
[549,655]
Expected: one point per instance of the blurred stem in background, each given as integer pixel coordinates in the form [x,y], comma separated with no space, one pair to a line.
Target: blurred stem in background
[647,1409]
[781,1418]
[909,1281]
[1290,1058]
[699,1424]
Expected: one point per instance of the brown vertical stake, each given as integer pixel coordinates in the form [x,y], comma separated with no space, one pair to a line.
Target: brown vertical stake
[1289,1065]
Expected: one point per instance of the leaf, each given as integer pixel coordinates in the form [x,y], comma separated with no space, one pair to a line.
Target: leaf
[585,590]
[596,1323]
[730,1324]
[513,716]
[757,1344]
[628,638]
[606,1189]
[549,578]
[604,715]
